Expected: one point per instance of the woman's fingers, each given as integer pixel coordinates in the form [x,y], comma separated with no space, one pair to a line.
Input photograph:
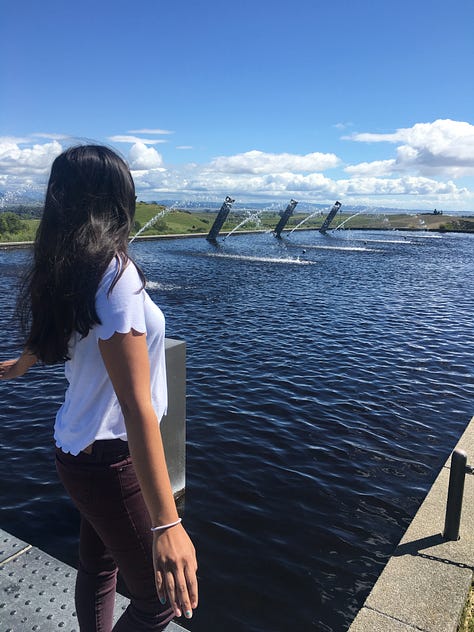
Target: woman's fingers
[9,369]
[179,589]
[6,369]
[182,593]
[172,595]
[175,570]
[191,581]
[160,586]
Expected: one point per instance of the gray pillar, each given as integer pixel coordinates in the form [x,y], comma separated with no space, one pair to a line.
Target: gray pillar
[330,217]
[285,216]
[173,424]
[220,219]
[457,475]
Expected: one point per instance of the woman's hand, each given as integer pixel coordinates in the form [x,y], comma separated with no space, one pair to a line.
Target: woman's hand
[174,560]
[10,369]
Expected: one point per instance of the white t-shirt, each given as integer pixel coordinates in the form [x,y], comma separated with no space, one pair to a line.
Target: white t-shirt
[91,410]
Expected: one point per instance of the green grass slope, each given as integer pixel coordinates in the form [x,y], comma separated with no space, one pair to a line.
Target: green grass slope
[179,222]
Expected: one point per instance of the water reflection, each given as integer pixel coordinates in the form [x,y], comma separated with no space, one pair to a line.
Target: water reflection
[322,400]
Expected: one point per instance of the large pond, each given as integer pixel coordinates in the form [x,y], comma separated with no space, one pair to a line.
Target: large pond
[328,379]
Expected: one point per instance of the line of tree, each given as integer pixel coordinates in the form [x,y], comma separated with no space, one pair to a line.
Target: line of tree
[26,211]
[11,223]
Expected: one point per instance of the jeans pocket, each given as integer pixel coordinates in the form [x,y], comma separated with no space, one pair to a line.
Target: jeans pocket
[127,477]
[124,463]
[77,481]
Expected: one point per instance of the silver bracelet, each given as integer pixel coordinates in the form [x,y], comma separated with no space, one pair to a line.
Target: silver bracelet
[166,526]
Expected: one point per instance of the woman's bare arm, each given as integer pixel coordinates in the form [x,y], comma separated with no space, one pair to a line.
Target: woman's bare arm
[126,359]
[10,369]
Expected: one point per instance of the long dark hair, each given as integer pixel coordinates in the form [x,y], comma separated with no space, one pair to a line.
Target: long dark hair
[88,213]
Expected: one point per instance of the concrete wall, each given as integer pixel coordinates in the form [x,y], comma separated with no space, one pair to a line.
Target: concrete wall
[173,425]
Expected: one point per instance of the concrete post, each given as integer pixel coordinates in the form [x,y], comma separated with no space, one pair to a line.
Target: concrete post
[330,217]
[457,475]
[284,217]
[173,424]
[220,219]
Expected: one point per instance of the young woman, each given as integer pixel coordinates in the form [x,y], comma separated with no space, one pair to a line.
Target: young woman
[84,303]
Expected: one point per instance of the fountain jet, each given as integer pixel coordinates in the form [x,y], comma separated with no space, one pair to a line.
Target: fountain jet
[220,219]
[285,216]
[330,217]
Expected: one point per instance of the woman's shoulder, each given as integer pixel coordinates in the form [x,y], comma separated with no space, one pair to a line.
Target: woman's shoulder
[128,280]
[120,305]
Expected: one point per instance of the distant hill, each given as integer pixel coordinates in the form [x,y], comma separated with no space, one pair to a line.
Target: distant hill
[214,205]
[32,208]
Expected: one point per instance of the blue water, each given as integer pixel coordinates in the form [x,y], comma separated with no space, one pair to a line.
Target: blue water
[328,380]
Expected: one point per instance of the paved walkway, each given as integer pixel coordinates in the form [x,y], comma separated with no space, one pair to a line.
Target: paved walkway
[426,582]
[37,591]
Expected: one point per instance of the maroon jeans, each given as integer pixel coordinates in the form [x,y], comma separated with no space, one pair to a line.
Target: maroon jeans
[115,535]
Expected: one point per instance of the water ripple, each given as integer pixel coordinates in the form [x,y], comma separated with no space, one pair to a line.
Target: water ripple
[322,401]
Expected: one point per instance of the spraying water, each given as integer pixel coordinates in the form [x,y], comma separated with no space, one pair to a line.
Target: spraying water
[27,194]
[251,217]
[303,221]
[349,218]
[154,219]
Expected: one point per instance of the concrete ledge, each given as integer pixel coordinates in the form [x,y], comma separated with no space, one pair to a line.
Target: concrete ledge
[426,582]
[375,622]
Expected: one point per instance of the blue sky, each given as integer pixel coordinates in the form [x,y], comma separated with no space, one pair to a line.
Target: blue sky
[363,101]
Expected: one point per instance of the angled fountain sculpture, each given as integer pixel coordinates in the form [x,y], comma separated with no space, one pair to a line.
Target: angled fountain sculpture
[330,216]
[285,216]
[220,219]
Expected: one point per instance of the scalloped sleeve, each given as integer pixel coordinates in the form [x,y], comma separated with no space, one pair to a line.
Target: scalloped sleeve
[123,308]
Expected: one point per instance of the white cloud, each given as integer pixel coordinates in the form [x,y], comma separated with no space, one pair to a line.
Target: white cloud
[15,140]
[197,180]
[35,160]
[444,147]
[50,136]
[149,131]
[369,137]
[406,186]
[124,138]
[261,162]
[375,168]
[342,126]
[24,170]
[418,174]
[142,158]
[184,147]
